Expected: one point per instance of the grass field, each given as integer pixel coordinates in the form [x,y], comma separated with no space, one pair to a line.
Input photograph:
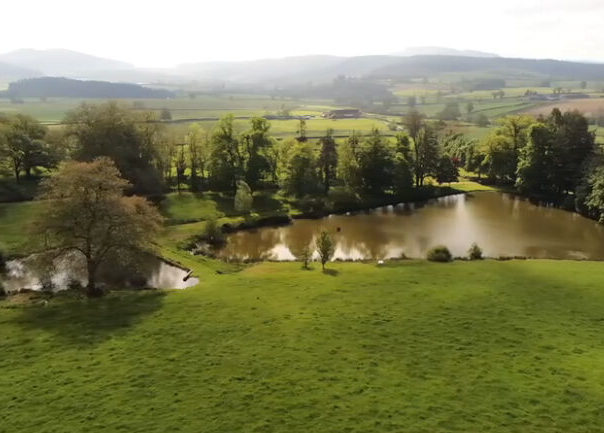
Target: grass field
[53,110]
[15,220]
[410,347]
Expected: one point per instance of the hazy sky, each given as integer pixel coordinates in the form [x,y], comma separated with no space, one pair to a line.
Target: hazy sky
[168,32]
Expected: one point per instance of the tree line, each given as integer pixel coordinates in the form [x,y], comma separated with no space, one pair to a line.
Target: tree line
[153,159]
[554,157]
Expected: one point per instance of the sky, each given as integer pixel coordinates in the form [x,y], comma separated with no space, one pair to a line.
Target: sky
[164,33]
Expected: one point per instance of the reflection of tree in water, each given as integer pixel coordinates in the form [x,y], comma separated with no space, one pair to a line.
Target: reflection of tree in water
[297,237]
[251,245]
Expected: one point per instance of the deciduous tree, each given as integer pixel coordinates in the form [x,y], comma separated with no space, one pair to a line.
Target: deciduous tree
[84,211]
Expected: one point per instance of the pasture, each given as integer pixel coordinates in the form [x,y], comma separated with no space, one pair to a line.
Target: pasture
[411,346]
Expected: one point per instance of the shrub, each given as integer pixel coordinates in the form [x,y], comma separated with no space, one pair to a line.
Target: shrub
[2,262]
[213,234]
[475,252]
[305,256]
[439,254]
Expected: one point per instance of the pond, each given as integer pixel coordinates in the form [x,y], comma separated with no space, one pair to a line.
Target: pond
[151,272]
[501,224]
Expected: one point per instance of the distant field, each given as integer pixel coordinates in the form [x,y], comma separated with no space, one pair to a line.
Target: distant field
[53,110]
[588,107]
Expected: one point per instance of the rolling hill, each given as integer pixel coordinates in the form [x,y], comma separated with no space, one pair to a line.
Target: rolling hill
[47,87]
[59,62]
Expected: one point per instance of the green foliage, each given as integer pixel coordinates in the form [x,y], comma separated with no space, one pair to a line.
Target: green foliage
[130,139]
[165,114]
[254,145]
[22,145]
[225,164]
[426,152]
[446,171]
[553,161]
[375,163]
[243,198]
[500,159]
[301,173]
[213,233]
[439,254]
[199,154]
[450,111]
[475,252]
[305,256]
[325,247]
[595,199]
[328,159]
[84,212]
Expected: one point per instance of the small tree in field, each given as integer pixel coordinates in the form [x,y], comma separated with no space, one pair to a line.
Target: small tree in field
[84,211]
[325,247]
[305,256]
[243,198]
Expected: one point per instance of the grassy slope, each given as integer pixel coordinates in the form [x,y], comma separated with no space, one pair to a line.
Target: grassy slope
[15,219]
[413,346]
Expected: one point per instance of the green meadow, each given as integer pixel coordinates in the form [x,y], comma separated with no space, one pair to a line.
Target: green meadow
[411,346]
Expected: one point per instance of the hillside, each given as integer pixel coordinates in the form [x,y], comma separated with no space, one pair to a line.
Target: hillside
[59,62]
[53,87]
[11,72]
[418,66]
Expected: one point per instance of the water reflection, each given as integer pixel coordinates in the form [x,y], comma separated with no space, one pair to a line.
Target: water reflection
[502,224]
[148,272]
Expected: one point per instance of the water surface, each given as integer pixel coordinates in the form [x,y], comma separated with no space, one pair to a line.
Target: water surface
[501,224]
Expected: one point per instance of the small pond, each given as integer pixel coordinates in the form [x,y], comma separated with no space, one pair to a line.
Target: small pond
[501,224]
[150,272]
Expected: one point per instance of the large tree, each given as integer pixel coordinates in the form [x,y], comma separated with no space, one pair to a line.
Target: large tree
[426,149]
[84,211]
[22,146]
[254,145]
[376,163]
[328,159]
[301,175]
[130,139]
[226,161]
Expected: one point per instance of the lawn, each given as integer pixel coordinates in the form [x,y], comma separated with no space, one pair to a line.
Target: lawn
[15,221]
[411,346]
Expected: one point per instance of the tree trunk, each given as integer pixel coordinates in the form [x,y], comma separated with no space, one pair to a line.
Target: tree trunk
[92,291]
[17,174]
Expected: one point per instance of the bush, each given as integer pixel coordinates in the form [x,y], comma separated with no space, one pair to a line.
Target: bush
[213,234]
[475,252]
[439,254]
[2,262]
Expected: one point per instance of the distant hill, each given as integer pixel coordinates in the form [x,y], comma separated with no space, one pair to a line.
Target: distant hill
[10,72]
[499,67]
[282,70]
[442,51]
[54,87]
[59,62]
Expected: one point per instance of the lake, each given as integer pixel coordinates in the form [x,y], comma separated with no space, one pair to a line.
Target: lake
[501,224]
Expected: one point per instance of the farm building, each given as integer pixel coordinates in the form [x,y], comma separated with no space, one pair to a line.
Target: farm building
[342,114]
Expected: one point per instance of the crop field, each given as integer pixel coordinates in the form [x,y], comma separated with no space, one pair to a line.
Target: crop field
[589,107]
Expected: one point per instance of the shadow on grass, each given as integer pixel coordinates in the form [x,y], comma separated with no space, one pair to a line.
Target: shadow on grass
[331,272]
[88,322]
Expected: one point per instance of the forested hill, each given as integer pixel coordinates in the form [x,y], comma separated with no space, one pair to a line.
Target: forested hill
[54,87]
[497,66]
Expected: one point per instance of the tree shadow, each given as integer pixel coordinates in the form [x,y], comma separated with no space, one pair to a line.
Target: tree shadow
[86,322]
[331,272]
